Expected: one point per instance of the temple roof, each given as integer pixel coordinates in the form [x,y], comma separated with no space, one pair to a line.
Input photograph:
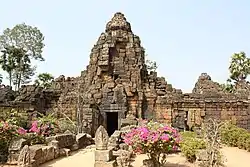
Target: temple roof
[118,22]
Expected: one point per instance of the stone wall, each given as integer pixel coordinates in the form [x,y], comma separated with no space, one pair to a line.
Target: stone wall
[117,81]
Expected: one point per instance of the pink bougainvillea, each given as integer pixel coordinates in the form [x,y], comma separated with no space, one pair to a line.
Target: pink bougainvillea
[153,138]
[21,131]
[34,127]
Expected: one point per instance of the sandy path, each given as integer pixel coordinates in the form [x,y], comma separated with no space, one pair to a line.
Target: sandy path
[79,159]
[234,156]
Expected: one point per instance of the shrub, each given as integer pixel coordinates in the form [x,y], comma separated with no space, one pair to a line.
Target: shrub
[190,145]
[15,117]
[155,139]
[65,124]
[8,132]
[248,144]
[234,136]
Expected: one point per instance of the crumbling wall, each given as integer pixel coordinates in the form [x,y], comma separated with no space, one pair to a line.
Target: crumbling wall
[117,80]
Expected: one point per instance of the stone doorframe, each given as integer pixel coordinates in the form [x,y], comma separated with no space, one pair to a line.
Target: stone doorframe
[120,114]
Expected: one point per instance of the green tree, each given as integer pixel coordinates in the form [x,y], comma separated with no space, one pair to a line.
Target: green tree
[44,79]
[228,86]
[8,62]
[25,37]
[16,62]
[20,45]
[239,67]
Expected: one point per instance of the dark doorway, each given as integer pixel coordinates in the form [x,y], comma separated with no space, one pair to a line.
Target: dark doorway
[112,122]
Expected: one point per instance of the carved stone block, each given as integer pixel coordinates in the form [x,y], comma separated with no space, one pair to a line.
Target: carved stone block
[103,155]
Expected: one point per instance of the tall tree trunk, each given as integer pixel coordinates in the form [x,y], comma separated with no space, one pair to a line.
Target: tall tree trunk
[19,79]
[10,78]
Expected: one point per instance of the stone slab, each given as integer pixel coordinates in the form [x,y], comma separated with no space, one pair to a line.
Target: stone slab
[103,155]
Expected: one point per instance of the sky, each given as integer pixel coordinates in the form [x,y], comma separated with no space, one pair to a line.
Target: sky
[184,37]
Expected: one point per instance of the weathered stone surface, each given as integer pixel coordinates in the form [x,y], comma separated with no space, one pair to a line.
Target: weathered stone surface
[124,159]
[101,138]
[64,140]
[24,158]
[14,150]
[148,163]
[6,94]
[117,80]
[103,155]
[83,140]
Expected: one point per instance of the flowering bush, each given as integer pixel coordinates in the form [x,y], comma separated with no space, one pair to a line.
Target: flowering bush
[154,139]
[14,127]
[8,132]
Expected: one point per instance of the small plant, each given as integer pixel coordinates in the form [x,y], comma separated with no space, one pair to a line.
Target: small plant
[154,139]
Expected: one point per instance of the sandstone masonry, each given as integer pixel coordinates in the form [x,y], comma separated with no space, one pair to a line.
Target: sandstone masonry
[116,89]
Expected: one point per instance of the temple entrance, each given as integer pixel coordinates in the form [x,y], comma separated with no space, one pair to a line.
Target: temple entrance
[112,122]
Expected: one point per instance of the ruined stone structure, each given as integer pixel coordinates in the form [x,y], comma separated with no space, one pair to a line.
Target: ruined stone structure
[116,89]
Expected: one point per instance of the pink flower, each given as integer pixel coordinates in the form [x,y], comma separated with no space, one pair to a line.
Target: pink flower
[175,148]
[21,131]
[154,137]
[34,127]
[165,137]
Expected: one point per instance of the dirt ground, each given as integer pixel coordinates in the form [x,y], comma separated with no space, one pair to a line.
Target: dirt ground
[234,158]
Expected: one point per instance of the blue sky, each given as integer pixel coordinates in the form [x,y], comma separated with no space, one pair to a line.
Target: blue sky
[185,37]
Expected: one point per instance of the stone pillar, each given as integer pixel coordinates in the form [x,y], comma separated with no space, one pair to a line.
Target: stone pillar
[103,156]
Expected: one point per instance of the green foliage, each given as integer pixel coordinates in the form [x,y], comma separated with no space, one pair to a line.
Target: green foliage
[16,62]
[33,139]
[19,46]
[190,145]
[8,62]
[234,136]
[15,117]
[8,132]
[64,125]
[228,86]
[24,37]
[45,80]
[48,124]
[239,67]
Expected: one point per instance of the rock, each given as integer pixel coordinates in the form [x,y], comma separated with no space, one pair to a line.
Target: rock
[64,152]
[83,140]
[24,158]
[64,140]
[14,150]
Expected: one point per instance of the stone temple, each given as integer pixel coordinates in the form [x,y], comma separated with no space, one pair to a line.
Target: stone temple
[116,90]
